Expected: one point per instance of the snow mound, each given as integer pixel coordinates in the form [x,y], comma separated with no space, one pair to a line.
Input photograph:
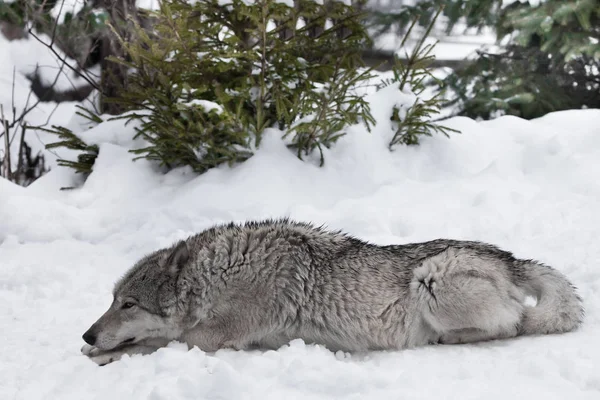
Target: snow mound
[529,186]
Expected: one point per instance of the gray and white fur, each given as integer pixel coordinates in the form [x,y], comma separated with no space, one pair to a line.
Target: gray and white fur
[261,284]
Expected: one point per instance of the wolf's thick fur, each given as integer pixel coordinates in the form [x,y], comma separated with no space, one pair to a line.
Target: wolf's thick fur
[262,284]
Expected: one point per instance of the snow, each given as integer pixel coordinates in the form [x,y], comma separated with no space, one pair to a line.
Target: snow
[27,55]
[148,4]
[529,186]
[208,106]
[65,7]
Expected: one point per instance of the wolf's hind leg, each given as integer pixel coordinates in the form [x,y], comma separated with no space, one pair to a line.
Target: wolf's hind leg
[465,298]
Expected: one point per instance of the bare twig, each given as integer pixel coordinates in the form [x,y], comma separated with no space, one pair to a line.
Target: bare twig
[62,3]
[64,61]
[6,160]
[35,132]
[18,121]
[21,147]
[12,99]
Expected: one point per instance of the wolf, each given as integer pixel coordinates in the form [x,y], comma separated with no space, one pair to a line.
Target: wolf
[261,284]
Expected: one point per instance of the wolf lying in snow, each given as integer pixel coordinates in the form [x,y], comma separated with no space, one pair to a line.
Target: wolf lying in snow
[262,284]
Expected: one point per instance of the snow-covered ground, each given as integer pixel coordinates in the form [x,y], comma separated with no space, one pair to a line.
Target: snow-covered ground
[531,187]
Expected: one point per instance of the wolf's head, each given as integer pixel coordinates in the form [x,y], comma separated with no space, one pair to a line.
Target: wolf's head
[144,304]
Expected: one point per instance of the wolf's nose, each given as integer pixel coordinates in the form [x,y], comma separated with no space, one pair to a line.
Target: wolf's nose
[89,338]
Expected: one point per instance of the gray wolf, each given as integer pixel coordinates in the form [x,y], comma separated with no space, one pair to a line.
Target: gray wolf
[262,284]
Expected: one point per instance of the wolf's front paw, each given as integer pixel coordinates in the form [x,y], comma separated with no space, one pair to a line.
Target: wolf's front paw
[87,350]
[100,357]
[106,358]
[91,351]
[103,357]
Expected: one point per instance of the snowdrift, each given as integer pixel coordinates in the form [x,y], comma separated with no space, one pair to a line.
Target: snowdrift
[532,187]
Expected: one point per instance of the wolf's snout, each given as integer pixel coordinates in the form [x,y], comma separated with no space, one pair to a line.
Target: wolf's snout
[89,337]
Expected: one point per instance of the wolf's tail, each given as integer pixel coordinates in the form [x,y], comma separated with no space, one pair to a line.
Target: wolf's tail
[558,309]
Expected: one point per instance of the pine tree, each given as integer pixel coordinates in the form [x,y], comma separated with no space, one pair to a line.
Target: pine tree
[475,13]
[568,28]
[550,63]
[213,76]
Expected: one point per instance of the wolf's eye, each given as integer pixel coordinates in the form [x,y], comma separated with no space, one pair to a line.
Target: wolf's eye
[127,305]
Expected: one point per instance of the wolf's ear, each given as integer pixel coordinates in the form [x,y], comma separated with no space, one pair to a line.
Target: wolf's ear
[178,257]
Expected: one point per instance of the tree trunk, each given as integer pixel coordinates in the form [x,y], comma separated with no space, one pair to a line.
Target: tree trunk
[113,80]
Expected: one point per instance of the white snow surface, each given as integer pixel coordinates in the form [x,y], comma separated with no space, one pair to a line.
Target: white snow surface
[532,187]
[65,7]
[27,55]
